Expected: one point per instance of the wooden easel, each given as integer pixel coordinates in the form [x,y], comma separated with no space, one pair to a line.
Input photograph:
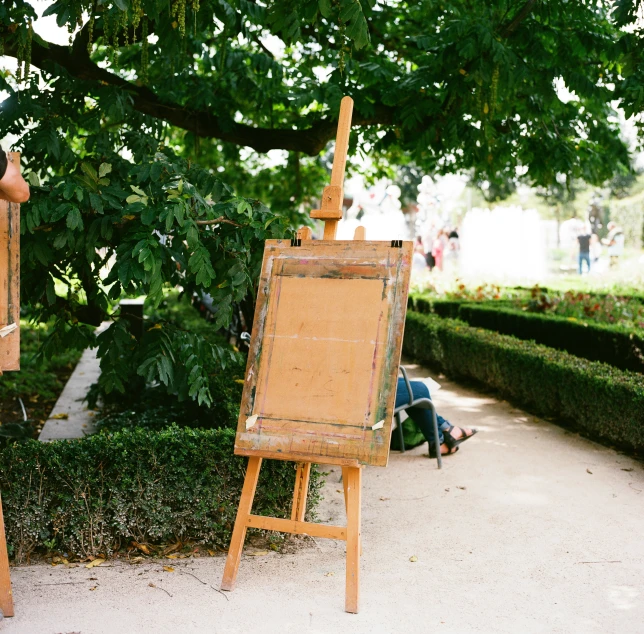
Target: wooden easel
[10,344]
[331,213]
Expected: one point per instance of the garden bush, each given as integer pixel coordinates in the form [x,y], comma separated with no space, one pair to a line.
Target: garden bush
[441,307]
[615,345]
[604,402]
[90,497]
[38,385]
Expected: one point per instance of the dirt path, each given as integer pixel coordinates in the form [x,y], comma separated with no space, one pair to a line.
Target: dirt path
[528,529]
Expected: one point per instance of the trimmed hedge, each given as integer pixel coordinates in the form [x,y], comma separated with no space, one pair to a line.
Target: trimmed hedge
[441,307]
[602,401]
[620,347]
[91,496]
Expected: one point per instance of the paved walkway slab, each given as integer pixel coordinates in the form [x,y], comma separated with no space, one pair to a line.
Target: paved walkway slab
[528,529]
[70,417]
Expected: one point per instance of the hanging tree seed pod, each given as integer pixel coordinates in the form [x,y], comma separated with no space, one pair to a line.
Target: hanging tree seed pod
[145,60]
[30,35]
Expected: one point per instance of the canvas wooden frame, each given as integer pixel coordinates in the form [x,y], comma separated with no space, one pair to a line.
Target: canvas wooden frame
[321,376]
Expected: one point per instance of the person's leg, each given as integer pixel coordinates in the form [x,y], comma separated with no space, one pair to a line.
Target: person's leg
[579,263]
[587,260]
[422,417]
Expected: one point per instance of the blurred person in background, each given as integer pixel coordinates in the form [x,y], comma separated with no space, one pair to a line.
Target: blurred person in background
[615,243]
[418,264]
[428,241]
[584,249]
[438,249]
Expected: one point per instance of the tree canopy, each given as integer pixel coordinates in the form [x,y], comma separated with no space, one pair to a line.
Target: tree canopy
[143,138]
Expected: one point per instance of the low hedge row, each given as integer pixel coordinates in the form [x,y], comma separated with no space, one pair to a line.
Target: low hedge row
[602,401]
[441,307]
[91,496]
[620,347]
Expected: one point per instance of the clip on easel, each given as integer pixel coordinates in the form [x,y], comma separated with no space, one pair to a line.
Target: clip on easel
[321,373]
[9,341]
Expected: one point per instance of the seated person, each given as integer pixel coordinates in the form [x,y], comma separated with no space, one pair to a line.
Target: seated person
[13,187]
[449,435]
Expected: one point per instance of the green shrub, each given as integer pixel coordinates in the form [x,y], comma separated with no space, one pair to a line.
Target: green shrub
[91,496]
[602,401]
[440,307]
[38,384]
[615,345]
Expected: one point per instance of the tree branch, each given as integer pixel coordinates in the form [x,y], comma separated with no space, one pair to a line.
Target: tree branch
[216,221]
[522,14]
[310,140]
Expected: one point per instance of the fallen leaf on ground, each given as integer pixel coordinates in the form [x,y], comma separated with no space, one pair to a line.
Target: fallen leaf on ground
[383,499]
[462,488]
[142,547]
[136,560]
[96,562]
[172,548]
[329,574]
[151,585]
[589,471]
[211,553]
[339,491]
[60,416]
[168,568]
[174,556]
[92,578]
[628,469]
[259,553]
[94,588]
[413,558]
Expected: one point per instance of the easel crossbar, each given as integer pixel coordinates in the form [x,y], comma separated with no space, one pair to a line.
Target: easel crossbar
[298,528]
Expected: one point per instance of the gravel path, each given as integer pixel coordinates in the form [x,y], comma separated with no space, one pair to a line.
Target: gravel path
[528,529]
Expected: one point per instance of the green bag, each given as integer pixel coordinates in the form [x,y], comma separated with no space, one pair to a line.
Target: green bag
[411,434]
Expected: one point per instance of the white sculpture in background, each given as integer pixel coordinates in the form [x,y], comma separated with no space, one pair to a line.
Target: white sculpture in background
[379,211]
[505,243]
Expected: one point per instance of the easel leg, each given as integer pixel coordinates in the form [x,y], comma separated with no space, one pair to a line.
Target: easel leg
[301,491]
[345,484]
[6,596]
[353,499]
[239,532]
[345,480]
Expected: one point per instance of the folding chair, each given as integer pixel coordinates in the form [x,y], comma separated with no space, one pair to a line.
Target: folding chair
[423,403]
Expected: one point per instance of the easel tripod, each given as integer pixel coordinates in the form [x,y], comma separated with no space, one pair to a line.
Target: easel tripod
[331,213]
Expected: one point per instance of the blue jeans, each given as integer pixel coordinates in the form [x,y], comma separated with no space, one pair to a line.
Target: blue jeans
[422,417]
[584,257]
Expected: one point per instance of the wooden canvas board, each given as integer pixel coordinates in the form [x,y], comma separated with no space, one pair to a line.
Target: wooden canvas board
[10,282]
[322,369]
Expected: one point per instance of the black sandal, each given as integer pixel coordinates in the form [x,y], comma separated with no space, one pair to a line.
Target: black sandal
[452,442]
[450,450]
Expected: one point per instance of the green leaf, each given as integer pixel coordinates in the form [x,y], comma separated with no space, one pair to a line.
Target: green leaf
[148,216]
[74,219]
[90,171]
[192,236]
[96,202]
[50,291]
[104,169]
